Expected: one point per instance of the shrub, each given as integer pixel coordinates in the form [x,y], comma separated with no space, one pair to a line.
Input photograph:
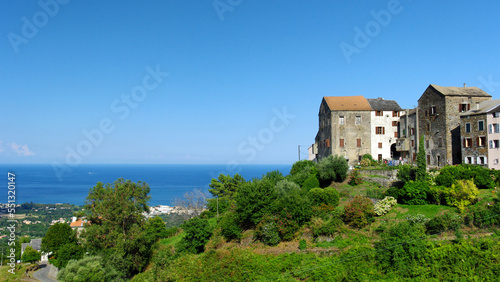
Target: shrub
[294,205]
[365,162]
[301,171]
[442,223]
[416,219]
[368,157]
[30,255]
[310,182]
[486,216]
[384,206]
[413,193]
[406,173]
[375,193]
[229,227]
[326,227]
[198,232]
[436,195]
[356,178]
[91,268]
[302,244]
[328,196]
[359,212]
[267,231]
[253,200]
[481,176]
[461,194]
[332,168]
[285,187]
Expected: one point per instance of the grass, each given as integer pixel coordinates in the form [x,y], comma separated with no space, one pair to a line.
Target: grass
[401,211]
[172,240]
[18,275]
[350,238]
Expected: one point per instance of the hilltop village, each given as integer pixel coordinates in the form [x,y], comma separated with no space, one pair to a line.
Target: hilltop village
[459,125]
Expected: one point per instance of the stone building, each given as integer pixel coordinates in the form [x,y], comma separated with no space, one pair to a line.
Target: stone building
[407,142]
[480,133]
[438,117]
[352,126]
[344,128]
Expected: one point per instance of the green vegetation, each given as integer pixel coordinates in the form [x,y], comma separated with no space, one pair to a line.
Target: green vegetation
[306,225]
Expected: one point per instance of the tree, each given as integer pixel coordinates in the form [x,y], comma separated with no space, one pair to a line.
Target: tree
[156,228]
[192,204]
[223,190]
[91,268]
[117,224]
[421,173]
[30,255]
[253,200]
[332,168]
[57,236]
[198,232]
[66,253]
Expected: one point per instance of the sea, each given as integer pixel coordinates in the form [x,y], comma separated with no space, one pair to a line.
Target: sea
[40,183]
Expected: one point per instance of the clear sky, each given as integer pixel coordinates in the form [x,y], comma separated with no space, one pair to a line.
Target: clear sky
[225,81]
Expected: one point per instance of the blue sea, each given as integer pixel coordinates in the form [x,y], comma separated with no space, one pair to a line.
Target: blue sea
[40,183]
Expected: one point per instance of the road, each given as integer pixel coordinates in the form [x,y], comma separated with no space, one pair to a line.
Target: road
[43,274]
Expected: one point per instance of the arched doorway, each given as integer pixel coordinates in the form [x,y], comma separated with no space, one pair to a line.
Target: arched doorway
[394,153]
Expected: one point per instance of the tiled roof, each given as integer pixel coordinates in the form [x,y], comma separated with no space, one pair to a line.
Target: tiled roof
[347,103]
[384,105]
[460,91]
[77,223]
[483,107]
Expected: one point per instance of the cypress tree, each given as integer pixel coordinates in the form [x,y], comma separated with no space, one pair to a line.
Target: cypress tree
[421,173]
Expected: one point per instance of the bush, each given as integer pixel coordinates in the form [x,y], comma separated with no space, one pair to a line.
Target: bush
[461,194]
[267,231]
[486,216]
[481,176]
[294,205]
[416,219]
[406,173]
[332,168]
[412,193]
[365,162]
[229,227]
[442,223]
[359,212]
[253,200]
[310,182]
[436,195]
[91,268]
[198,232]
[30,255]
[328,227]
[285,187]
[356,178]
[302,244]
[301,171]
[384,206]
[328,196]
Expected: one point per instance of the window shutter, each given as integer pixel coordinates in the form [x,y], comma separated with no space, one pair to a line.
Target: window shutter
[468,107]
[477,141]
[465,143]
[383,130]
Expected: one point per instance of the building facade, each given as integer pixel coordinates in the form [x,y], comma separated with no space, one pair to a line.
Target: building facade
[407,142]
[480,133]
[352,126]
[438,113]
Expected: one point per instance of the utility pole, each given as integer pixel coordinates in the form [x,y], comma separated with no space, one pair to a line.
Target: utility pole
[299,153]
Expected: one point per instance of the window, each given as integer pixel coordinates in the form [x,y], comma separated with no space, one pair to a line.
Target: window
[380,144]
[481,141]
[495,161]
[358,142]
[394,123]
[432,110]
[379,157]
[412,131]
[396,134]
[413,143]
[379,113]
[428,127]
[395,114]
[463,107]
[468,160]
[480,125]
[481,160]
[467,142]
[494,144]
[358,120]
[341,119]
[497,114]
[379,130]
[494,128]
[427,144]
[467,127]
[429,159]
[341,142]
[426,113]
[327,143]
[404,132]
[440,142]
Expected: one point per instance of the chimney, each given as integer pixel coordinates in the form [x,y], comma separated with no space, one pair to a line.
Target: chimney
[465,84]
[477,106]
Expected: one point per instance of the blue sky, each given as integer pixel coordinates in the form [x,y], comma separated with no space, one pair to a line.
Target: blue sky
[225,81]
